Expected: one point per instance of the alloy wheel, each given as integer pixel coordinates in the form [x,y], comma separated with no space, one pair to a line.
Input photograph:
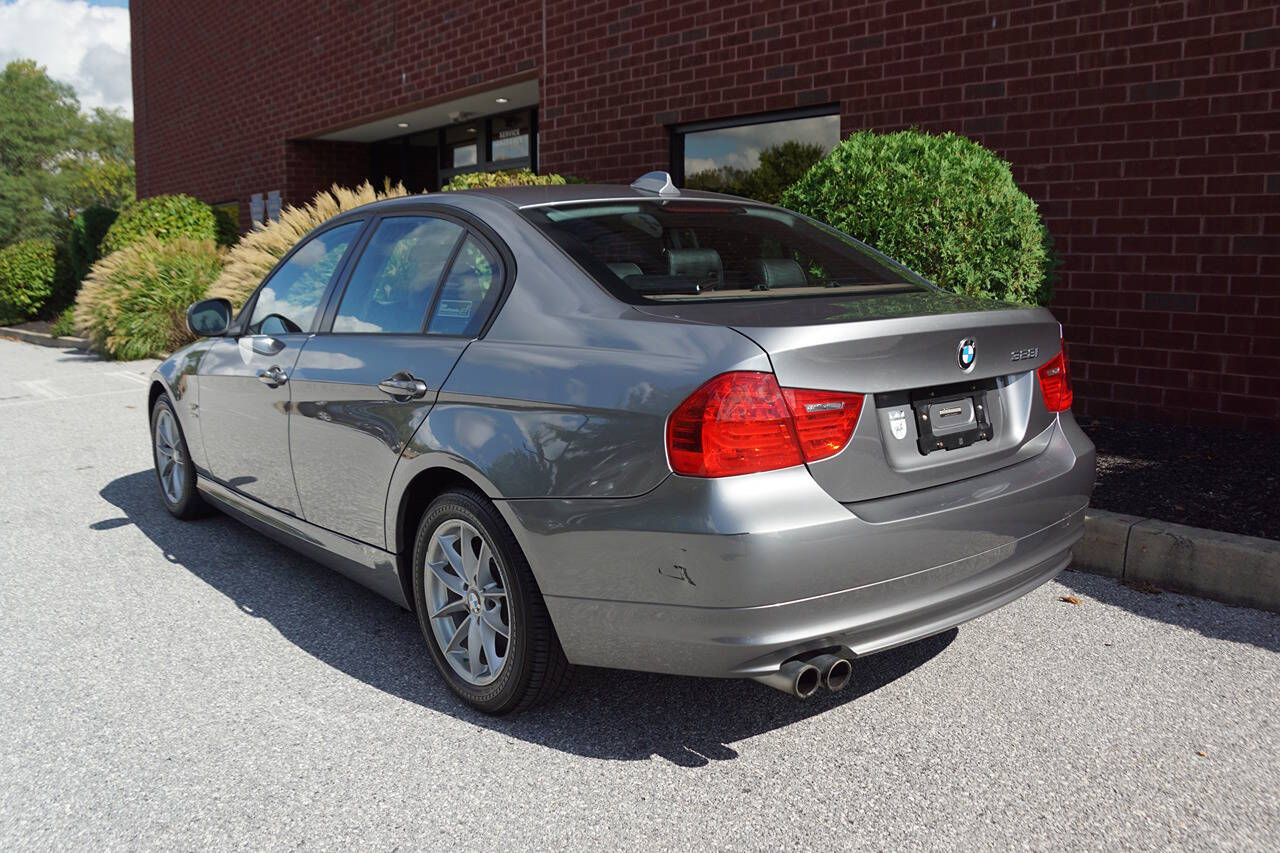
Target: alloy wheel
[467,601]
[169,458]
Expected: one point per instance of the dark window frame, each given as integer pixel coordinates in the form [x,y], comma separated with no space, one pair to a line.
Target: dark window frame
[326,325]
[241,325]
[470,228]
[679,131]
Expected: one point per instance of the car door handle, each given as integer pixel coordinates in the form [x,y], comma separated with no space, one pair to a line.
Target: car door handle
[265,345]
[273,377]
[403,386]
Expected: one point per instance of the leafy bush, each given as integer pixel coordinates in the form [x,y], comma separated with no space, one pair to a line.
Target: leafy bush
[165,217]
[87,231]
[27,271]
[133,304]
[227,223]
[780,166]
[942,205]
[257,252]
[509,178]
[65,325]
[65,282]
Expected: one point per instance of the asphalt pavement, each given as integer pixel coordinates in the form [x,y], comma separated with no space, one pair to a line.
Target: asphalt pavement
[195,686]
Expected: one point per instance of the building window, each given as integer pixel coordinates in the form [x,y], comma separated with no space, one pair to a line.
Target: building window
[756,156]
[463,146]
[510,137]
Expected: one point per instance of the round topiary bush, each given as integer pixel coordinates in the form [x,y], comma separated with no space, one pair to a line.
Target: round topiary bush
[87,231]
[942,205]
[134,301]
[509,178]
[165,217]
[27,271]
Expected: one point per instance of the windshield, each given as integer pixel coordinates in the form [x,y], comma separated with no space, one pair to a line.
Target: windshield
[702,251]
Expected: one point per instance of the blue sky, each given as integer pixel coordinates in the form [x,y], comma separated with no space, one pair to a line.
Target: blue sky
[81,42]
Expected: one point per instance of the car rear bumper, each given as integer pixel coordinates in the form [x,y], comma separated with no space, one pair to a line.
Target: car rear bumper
[732,577]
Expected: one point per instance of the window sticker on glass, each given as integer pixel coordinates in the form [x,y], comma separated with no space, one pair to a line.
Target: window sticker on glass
[456,308]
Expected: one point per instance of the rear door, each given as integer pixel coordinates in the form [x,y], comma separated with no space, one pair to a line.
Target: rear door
[244,379]
[419,291]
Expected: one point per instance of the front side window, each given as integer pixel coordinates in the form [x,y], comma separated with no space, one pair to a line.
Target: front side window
[288,302]
[470,291]
[686,250]
[756,160]
[395,280]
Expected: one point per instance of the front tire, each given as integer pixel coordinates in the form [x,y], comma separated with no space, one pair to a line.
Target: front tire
[175,472]
[480,609]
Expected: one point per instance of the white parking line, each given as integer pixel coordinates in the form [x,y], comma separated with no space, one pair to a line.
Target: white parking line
[132,377]
[40,388]
[62,398]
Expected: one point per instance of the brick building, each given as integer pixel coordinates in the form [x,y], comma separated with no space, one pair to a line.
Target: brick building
[1148,132]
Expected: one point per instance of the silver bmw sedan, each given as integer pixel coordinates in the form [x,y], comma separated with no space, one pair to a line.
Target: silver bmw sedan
[632,427]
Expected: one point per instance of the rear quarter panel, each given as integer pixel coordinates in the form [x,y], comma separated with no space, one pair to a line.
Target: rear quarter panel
[568,392]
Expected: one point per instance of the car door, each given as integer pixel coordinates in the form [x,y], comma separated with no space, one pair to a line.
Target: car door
[244,377]
[417,294]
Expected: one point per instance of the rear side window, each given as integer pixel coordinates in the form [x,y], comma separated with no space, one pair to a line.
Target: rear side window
[287,303]
[470,291]
[686,250]
[394,282]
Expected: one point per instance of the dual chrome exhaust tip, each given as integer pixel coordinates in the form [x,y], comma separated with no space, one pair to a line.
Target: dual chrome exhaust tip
[802,678]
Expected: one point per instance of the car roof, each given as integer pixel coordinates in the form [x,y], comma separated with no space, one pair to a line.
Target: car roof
[526,197]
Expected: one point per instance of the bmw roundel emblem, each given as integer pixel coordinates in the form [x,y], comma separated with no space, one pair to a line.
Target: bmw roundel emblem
[967,354]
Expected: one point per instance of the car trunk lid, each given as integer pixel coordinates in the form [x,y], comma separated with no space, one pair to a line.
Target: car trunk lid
[926,419]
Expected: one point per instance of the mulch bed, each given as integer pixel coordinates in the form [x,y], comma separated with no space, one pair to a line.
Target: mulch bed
[34,326]
[1215,478]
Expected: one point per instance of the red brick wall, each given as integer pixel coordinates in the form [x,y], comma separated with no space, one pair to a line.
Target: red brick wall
[1149,132]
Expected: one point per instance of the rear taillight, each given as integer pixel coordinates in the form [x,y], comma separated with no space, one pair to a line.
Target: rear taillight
[743,422]
[824,420]
[1055,382]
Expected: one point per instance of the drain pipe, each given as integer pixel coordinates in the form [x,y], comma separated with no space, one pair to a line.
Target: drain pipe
[799,678]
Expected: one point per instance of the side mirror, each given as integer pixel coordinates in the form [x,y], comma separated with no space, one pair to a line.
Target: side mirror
[209,318]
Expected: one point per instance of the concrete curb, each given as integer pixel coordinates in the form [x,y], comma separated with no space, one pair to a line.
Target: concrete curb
[43,340]
[1226,567]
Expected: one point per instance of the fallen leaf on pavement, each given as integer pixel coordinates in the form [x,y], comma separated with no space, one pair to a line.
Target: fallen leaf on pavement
[1069,599]
[1142,586]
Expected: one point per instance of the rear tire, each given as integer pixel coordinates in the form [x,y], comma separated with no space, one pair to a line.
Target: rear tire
[175,472]
[471,582]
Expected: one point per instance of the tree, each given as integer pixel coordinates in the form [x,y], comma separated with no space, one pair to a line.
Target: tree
[39,121]
[55,161]
[779,167]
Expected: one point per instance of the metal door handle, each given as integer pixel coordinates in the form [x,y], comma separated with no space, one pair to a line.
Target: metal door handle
[273,377]
[265,345]
[403,386]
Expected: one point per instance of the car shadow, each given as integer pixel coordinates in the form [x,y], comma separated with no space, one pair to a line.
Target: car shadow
[1209,618]
[606,714]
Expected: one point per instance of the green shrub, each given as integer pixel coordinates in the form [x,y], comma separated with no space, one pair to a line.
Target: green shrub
[227,222]
[27,271]
[65,282]
[509,178]
[165,217]
[134,301]
[87,231]
[942,205]
[65,325]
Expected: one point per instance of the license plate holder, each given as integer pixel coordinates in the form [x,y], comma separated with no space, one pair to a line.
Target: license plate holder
[946,420]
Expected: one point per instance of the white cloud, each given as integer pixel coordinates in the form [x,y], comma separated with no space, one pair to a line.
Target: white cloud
[83,45]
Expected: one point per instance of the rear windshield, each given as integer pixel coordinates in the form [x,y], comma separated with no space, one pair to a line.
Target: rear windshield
[703,251]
